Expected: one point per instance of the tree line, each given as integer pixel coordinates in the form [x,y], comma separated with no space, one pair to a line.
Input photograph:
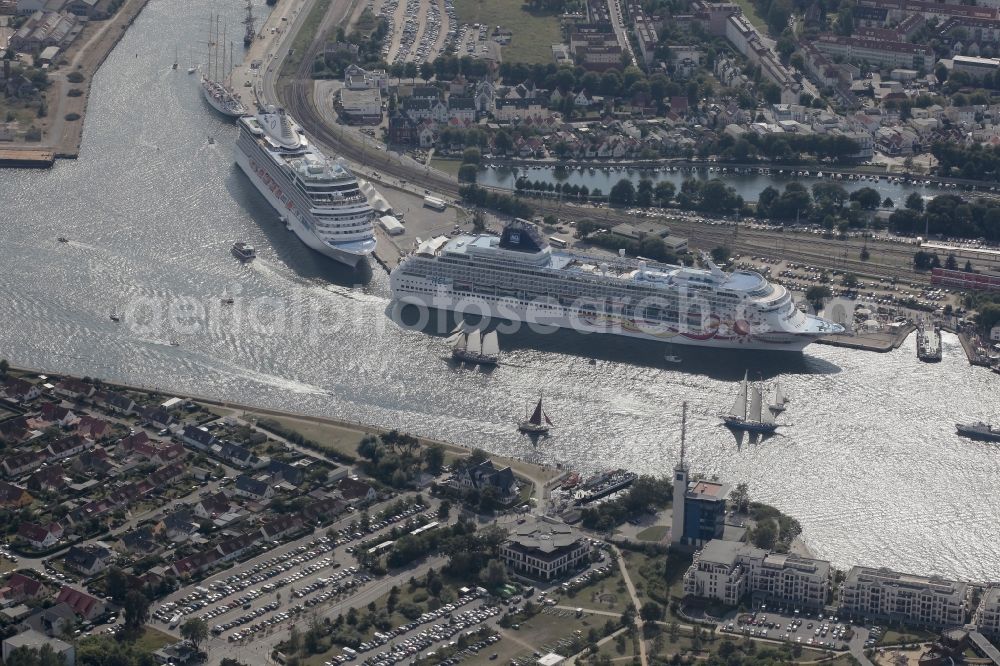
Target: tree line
[502,203]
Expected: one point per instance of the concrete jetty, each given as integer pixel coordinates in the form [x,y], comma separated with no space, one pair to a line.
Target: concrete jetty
[876,342]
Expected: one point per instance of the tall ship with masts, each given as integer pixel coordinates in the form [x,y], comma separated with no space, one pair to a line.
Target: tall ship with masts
[748,411]
[316,197]
[249,26]
[219,96]
[475,347]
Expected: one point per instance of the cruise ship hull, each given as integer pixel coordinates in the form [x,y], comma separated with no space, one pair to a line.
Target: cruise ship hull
[342,255]
[514,310]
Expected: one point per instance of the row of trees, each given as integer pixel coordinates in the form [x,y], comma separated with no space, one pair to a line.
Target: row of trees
[950,215]
[525,186]
[502,203]
[975,161]
[826,203]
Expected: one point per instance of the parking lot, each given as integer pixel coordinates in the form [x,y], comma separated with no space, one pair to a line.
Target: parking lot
[809,629]
[434,632]
[418,29]
[248,600]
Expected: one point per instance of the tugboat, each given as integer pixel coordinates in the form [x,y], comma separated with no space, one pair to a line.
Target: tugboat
[537,423]
[754,418]
[244,251]
[979,430]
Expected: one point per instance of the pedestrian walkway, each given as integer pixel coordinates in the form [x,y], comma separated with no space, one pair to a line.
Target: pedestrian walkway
[635,601]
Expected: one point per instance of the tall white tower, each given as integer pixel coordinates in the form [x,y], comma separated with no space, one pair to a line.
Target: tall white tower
[680,487]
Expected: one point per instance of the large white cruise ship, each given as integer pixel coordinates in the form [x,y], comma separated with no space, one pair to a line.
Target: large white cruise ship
[317,198]
[519,277]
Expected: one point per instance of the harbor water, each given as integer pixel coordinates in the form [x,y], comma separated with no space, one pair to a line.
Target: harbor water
[867,458]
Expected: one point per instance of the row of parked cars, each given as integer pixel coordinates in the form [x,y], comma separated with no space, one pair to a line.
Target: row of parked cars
[262,571]
[441,631]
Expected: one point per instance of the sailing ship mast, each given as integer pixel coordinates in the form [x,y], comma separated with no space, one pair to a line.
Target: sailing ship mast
[208,66]
[755,405]
[491,344]
[740,406]
[475,344]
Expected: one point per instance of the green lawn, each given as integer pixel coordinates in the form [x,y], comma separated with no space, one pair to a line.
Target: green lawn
[893,637]
[304,37]
[534,33]
[607,594]
[654,533]
[751,13]
[153,639]
[446,165]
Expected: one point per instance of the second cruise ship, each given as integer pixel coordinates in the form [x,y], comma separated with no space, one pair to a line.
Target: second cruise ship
[519,277]
[317,198]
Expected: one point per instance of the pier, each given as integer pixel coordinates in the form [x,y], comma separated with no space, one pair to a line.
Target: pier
[386,253]
[24,157]
[974,351]
[875,342]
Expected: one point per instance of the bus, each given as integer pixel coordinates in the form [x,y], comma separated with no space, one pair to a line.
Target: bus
[435,203]
[557,242]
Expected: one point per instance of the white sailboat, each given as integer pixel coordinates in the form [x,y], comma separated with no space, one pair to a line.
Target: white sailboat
[780,400]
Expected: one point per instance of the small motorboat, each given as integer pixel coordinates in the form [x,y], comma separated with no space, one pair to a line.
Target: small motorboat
[62,239]
[228,300]
[671,357]
[211,140]
[244,251]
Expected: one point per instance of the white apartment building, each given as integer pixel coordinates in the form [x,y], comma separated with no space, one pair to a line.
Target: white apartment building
[544,550]
[730,570]
[907,598]
[987,618]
